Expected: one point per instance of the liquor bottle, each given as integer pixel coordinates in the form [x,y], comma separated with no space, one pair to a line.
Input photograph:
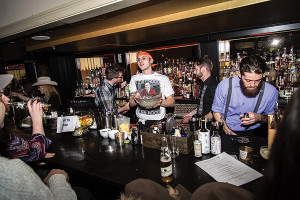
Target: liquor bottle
[155,130]
[165,162]
[197,146]
[134,137]
[215,140]
[164,129]
[205,137]
[140,136]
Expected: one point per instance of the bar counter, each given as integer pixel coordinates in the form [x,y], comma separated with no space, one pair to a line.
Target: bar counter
[101,159]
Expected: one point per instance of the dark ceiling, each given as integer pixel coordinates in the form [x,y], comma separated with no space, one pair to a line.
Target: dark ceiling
[202,28]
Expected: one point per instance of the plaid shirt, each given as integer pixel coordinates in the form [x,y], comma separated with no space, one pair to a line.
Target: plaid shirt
[105,92]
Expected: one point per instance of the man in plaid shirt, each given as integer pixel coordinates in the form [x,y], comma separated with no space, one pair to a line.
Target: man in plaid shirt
[105,95]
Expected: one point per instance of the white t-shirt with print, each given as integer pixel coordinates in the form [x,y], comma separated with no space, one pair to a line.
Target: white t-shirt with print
[159,83]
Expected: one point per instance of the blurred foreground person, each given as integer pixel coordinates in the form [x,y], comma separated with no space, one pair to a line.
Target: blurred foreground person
[19,181]
[14,143]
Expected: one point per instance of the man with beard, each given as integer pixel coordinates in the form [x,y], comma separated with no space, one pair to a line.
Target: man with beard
[206,92]
[248,94]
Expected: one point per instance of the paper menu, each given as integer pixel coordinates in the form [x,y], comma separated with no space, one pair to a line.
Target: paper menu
[224,168]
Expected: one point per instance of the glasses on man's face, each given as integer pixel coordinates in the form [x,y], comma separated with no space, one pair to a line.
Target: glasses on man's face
[254,81]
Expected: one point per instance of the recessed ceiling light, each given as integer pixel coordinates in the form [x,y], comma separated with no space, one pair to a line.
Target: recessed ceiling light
[41,37]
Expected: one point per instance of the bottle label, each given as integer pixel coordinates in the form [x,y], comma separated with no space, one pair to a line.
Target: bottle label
[205,139]
[243,154]
[197,148]
[215,145]
[166,171]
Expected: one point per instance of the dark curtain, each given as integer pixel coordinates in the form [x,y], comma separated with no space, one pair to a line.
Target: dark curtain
[63,70]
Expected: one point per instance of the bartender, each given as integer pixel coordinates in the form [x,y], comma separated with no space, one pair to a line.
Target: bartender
[150,79]
[243,103]
[106,94]
[202,69]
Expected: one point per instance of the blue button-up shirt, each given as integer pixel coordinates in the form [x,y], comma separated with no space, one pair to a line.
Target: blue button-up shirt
[240,104]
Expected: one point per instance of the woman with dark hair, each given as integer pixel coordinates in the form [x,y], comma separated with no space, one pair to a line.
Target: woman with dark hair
[14,143]
[282,179]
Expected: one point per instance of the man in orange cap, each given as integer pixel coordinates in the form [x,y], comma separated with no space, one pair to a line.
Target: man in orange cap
[159,83]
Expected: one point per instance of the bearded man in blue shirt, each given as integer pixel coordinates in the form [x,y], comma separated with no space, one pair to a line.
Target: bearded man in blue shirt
[245,93]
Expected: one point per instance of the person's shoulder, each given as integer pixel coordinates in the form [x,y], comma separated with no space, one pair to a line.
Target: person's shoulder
[213,81]
[136,77]
[224,82]
[158,75]
[11,162]
[270,88]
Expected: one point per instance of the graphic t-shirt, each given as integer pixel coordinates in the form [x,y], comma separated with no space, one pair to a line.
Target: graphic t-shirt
[158,84]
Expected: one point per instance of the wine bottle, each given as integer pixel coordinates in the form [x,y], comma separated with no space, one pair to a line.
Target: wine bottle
[205,137]
[165,162]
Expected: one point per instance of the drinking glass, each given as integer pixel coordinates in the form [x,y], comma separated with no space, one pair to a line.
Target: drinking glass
[174,147]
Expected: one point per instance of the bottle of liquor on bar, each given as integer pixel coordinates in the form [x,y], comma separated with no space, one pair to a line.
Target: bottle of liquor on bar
[215,140]
[205,137]
[164,129]
[134,138]
[155,130]
[197,146]
[165,162]
[140,136]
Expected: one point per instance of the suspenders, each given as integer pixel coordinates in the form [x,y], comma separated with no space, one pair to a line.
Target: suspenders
[229,97]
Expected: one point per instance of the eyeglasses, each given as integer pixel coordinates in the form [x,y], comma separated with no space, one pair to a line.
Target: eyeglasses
[119,77]
[255,81]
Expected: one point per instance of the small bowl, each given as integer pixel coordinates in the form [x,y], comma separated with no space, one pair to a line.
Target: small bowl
[111,134]
[104,132]
[148,102]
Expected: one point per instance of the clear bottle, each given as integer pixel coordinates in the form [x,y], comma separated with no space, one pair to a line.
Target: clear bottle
[197,146]
[205,137]
[215,140]
[165,162]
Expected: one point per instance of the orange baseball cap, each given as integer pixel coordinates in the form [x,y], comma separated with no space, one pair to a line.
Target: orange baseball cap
[143,53]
